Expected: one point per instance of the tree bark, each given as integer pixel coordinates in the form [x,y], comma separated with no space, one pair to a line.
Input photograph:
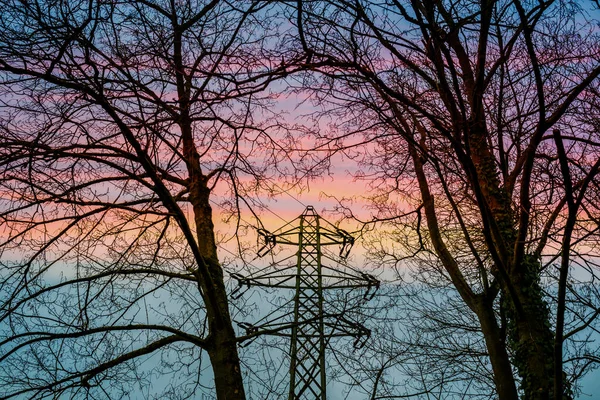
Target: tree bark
[222,347]
[479,303]
[496,347]
[222,344]
[224,358]
[530,333]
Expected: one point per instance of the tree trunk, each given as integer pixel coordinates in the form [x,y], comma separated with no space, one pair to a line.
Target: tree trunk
[479,303]
[496,347]
[530,333]
[222,345]
[226,367]
[224,358]
[222,348]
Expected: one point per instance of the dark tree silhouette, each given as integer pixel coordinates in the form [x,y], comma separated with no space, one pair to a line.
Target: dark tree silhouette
[117,120]
[476,126]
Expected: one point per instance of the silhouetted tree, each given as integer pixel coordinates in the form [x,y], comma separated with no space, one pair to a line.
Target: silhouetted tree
[476,128]
[117,121]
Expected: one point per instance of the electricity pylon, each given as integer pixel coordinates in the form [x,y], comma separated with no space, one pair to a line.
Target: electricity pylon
[313,323]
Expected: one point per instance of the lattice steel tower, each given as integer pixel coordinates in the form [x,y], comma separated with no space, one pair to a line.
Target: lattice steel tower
[314,322]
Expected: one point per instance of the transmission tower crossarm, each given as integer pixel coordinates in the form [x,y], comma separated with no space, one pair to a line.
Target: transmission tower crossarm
[312,327]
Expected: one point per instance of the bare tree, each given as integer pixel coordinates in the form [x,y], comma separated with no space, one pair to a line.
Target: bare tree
[117,121]
[476,126]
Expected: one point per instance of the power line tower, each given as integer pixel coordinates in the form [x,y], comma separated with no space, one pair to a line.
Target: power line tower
[313,321]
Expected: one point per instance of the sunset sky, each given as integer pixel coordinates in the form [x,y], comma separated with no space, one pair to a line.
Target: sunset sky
[469,129]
